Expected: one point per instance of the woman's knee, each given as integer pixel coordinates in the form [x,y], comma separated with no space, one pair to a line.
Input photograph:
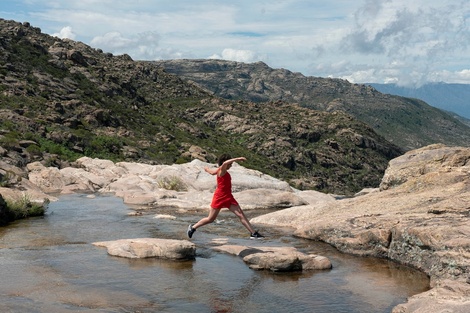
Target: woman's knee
[239,213]
[212,216]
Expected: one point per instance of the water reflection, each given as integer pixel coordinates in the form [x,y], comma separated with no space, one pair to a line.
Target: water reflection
[51,266]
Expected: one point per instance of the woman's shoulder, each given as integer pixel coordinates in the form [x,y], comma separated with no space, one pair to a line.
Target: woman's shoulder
[222,173]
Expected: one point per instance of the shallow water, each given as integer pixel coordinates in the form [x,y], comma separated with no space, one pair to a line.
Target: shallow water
[48,264]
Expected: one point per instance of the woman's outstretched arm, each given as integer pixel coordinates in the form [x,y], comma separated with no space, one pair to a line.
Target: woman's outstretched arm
[226,164]
[211,171]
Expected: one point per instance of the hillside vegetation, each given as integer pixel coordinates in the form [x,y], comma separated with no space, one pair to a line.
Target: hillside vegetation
[406,122]
[61,99]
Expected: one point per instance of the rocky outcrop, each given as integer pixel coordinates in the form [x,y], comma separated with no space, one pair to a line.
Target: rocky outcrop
[427,162]
[446,296]
[420,218]
[150,248]
[277,259]
[15,185]
[183,185]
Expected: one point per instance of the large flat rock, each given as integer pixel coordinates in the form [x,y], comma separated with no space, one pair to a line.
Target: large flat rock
[150,248]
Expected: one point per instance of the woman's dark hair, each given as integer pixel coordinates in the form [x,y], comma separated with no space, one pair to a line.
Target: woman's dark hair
[224,157]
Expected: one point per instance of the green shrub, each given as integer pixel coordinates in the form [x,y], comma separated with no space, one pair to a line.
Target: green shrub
[9,179]
[104,147]
[24,207]
[8,125]
[34,150]
[182,160]
[9,140]
[63,152]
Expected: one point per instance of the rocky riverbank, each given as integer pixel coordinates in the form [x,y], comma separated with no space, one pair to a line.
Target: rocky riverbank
[419,216]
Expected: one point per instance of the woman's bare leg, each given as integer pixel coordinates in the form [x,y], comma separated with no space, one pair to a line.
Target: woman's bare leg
[213,213]
[241,215]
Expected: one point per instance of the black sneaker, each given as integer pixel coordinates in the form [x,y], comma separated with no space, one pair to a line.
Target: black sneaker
[256,235]
[191,231]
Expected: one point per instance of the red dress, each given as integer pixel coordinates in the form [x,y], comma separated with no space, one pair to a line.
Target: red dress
[223,197]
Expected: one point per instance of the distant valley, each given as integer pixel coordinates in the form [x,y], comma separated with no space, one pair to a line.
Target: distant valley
[454,98]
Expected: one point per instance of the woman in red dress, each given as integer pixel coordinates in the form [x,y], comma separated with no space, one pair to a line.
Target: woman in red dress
[223,197]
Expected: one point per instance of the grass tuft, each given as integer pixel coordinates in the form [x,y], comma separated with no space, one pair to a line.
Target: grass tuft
[172,183]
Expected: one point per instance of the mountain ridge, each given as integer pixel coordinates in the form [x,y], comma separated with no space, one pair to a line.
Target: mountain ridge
[406,122]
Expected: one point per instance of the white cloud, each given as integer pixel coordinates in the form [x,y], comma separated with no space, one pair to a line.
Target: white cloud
[457,77]
[366,41]
[140,46]
[245,56]
[112,41]
[65,32]
[423,35]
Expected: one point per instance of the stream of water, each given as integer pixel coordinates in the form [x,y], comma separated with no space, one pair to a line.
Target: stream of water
[49,265]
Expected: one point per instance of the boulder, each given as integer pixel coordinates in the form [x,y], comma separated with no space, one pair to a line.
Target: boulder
[314,197]
[49,179]
[11,169]
[150,248]
[263,198]
[99,167]
[277,259]
[16,187]
[131,183]
[417,163]
[139,168]
[30,194]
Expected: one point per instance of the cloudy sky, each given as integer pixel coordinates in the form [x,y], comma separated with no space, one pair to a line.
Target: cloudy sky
[383,41]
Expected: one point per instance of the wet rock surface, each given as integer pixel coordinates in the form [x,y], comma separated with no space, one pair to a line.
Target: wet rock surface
[277,259]
[150,248]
